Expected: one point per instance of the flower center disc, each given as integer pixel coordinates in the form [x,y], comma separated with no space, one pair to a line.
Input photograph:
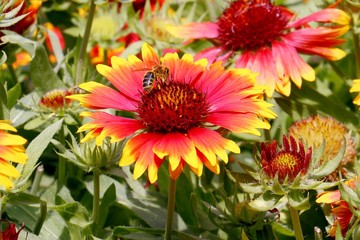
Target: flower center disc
[249,25]
[172,107]
[285,161]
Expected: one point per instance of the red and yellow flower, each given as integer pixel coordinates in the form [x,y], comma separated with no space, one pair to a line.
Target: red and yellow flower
[11,150]
[270,40]
[340,209]
[287,162]
[179,117]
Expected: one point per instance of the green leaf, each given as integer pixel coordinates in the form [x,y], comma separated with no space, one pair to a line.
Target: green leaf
[276,187]
[309,96]
[329,166]
[21,112]
[3,103]
[53,228]
[265,201]
[42,75]
[338,235]
[3,58]
[13,95]
[74,213]
[35,149]
[297,200]
[25,43]
[106,201]
[36,123]
[122,230]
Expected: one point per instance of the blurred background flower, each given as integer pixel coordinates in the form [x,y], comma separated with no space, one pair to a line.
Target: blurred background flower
[270,40]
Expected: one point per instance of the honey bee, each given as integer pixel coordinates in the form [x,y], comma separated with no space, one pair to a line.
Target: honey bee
[156,74]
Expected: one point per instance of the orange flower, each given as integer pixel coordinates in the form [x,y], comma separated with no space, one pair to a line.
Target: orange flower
[97,53]
[176,116]
[287,162]
[270,40]
[339,208]
[11,150]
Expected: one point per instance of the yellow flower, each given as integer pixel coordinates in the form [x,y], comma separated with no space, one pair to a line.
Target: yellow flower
[316,129]
[11,150]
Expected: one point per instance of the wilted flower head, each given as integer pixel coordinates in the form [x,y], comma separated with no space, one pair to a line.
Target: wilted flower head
[11,151]
[286,162]
[178,104]
[316,130]
[270,40]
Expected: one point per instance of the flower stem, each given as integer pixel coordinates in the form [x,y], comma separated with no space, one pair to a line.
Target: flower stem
[170,209]
[84,43]
[62,161]
[296,223]
[36,183]
[355,36]
[96,200]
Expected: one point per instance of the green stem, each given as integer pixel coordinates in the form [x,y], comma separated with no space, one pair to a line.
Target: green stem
[170,209]
[96,200]
[36,183]
[84,43]
[349,233]
[357,52]
[296,223]
[62,161]
[14,79]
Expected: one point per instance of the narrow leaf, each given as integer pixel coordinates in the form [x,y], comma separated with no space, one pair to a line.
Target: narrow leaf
[36,148]
[41,72]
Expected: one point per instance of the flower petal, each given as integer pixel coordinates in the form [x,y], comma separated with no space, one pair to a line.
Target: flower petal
[124,76]
[210,143]
[103,97]
[8,169]
[194,30]
[240,123]
[13,154]
[149,56]
[139,149]
[326,15]
[107,125]
[261,62]
[177,147]
[7,139]
[328,197]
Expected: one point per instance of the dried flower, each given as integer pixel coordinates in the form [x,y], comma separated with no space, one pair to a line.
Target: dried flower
[316,129]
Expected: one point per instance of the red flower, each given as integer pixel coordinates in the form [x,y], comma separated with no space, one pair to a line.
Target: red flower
[287,162]
[10,232]
[32,10]
[270,40]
